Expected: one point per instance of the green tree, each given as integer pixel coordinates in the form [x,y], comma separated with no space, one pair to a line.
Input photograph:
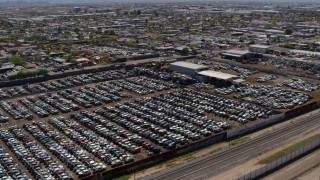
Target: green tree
[76,30]
[37,38]
[17,61]
[74,53]
[289,46]
[112,33]
[185,51]
[69,58]
[288,31]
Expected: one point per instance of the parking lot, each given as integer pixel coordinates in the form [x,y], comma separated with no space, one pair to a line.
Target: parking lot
[267,96]
[81,125]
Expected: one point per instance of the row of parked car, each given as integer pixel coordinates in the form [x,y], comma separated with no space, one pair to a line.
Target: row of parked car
[160,119]
[16,110]
[299,84]
[243,72]
[165,75]
[35,88]
[143,85]
[9,169]
[61,124]
[36,160]
[3,118]
[105,92]
[111,130]
[231,109]
[34,108]
[266,78]
[81,99]
[309,67]
[268,96]
[3,94]
[92,142]
[17,91]
[67,82]
[74,157]
[202,62]
[59,102]
[203,86]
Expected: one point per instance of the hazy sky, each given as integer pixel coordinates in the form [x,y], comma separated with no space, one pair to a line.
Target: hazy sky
[88,1]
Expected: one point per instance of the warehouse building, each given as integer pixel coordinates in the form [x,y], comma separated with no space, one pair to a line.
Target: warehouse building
[217,78]
[256,48]
[238,55]
[187,68]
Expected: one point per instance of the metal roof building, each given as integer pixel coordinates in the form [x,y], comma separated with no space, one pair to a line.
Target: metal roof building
[218,75]
[257,48]
[217,78]
[187,68]
[188,65]
[237,54]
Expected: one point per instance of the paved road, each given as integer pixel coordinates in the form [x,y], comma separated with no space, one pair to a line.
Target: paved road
[207,166]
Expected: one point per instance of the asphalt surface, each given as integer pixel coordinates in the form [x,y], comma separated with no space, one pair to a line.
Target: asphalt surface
[210,165]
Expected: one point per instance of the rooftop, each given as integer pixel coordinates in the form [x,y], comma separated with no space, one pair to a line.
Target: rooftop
[188,65]
[237,52]
[259,46]
[217,74]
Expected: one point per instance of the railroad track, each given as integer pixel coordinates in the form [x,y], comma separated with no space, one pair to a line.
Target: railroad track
[207,166]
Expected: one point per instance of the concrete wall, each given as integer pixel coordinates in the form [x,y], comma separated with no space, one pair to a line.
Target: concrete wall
[147,162]
[250,127]
[258,172]
[302,109]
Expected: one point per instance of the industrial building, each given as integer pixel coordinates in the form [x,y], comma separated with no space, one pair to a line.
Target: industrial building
[256,48]
[217,78]
[275,32]
[187,68]
[203,74]
[238,55]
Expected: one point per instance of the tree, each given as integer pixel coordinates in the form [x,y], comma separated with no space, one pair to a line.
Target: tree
[289,46]
[288,31]
[74,53]
[69,58]
[17,61]
[112,33]
[76,30]
[185,51]
[252,42]
[156,14]
[37,38]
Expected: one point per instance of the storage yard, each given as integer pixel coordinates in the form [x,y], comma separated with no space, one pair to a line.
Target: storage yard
[103,123]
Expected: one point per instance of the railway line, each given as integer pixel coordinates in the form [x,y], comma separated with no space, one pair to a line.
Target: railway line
[210,165]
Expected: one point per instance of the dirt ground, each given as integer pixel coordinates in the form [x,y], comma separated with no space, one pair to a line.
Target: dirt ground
[313,173]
